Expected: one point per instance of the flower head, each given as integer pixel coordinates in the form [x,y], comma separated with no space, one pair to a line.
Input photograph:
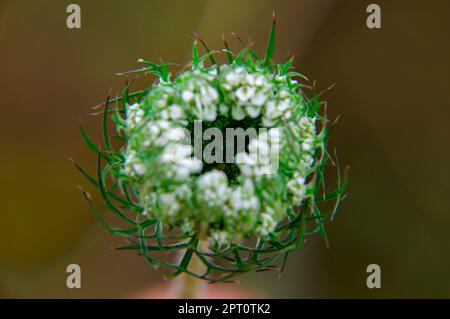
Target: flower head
[268,194]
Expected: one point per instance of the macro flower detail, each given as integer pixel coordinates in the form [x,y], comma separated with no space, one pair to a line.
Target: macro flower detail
[135,116]
[246,91]
[199,95]
[234,216]
[213,188]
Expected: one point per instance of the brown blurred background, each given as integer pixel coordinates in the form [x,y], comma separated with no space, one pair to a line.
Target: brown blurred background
[392,95]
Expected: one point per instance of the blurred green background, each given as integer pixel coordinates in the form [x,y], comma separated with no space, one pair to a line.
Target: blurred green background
[392,95]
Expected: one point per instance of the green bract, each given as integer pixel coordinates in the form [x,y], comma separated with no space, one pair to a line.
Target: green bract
[248,213]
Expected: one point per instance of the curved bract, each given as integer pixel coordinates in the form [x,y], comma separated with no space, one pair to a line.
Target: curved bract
[249,210]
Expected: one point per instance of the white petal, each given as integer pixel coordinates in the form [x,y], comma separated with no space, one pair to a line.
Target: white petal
[253,110]
[139,168]
[223,108]
[238,112]
[176,112]
[259,80]
[245,93]
[267,121]
[259,98]
[187,96]
[210,113]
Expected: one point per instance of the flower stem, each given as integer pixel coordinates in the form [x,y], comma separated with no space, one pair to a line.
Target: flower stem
[189,286]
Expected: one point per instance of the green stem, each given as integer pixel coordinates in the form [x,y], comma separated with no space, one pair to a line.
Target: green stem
[189,285]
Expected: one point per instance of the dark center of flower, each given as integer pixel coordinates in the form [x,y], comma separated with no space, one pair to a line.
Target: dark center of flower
[223,123]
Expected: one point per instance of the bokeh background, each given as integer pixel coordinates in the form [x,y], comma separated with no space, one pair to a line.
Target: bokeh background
[392,92]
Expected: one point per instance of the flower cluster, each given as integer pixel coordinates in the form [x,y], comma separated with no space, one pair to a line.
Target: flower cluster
[172,183]
[162,173]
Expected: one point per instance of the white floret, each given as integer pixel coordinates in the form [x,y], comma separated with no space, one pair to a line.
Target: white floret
[133,165]
[297,188]
[213,188]
[220,238]
[135,116]
[267,225]
[181,162]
